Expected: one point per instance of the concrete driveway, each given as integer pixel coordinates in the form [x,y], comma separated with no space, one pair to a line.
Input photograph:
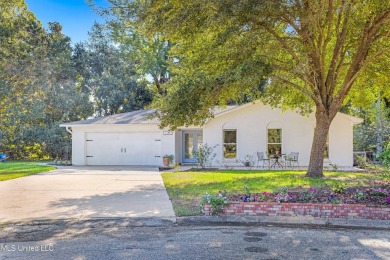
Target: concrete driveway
[84,193]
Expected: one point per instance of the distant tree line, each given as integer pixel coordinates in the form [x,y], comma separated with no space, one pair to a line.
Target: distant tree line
[45,81]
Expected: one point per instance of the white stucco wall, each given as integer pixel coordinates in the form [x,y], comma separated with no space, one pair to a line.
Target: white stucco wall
[252,121]
[178,146]
[168,143]
[78,149]
[341,141]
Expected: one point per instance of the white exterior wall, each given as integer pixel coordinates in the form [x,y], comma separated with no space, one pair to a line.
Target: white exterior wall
[251,123]
[341,142]
[78,146]
[168,144]
[79,134]
[178,146]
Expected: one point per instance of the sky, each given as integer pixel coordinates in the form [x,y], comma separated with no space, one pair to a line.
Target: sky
[75,16]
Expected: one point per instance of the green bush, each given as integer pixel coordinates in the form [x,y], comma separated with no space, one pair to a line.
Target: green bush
[361,162]
[339,187]
[205,155]
[385,156]
[217,202]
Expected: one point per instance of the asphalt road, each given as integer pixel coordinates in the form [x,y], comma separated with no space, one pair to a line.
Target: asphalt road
[160,239]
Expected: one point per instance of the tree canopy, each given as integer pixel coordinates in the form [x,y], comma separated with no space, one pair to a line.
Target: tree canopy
[45,81]
[316,54]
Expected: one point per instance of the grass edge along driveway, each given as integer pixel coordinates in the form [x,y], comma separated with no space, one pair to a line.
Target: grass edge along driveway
[186,188]
[13,170]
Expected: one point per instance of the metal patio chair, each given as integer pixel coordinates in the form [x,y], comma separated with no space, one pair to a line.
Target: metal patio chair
[292,159]
[261,157]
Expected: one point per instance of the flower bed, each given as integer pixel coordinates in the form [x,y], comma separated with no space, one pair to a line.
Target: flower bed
[337,202]
[300,209]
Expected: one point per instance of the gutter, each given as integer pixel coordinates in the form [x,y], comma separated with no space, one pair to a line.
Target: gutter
[68,130]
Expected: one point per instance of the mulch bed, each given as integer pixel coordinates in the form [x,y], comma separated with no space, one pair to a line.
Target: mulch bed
[378,195]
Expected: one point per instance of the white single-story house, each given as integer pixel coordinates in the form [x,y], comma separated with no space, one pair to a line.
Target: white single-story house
[134,138]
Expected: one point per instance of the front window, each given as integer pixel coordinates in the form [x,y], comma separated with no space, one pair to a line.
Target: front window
[229,144]
[274,145]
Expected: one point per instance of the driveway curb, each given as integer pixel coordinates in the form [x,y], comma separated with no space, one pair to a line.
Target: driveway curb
[284,221]
[291,222]
[117,221]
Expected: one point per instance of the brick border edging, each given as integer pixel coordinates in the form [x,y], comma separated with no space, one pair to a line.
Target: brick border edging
[347,211]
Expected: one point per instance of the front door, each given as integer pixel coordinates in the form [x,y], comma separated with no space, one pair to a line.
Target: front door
[191,143]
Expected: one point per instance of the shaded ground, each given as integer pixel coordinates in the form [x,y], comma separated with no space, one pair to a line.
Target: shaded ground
[123,240]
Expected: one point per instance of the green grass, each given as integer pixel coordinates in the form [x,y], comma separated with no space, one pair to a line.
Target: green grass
[13,170]
[186,188]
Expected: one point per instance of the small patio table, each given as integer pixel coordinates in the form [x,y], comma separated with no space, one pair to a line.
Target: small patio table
[276,157]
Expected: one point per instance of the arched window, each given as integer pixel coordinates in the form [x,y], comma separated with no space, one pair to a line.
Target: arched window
[274,138]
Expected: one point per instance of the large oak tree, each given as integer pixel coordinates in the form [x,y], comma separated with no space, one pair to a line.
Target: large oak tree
[317,54]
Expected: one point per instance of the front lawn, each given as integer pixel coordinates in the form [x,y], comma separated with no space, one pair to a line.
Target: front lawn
[186,188]
[12,170]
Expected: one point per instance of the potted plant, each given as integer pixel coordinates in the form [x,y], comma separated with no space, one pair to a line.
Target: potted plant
[168,159]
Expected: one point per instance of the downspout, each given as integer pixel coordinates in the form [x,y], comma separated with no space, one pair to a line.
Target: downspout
[68,130]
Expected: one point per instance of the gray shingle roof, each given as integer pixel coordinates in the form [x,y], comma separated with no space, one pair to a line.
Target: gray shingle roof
[143,116]
[134,117]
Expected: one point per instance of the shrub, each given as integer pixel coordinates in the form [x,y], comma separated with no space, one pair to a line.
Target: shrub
[306,195]
[205,155]
[385,156]
[385,175]
[284,196]
[339,187]
[360,195]
[379,192]
[361,162]
[217,202]
[265,195]
[334,201]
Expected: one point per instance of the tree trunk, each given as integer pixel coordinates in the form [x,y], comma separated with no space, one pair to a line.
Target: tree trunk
[379,132]
[321,131]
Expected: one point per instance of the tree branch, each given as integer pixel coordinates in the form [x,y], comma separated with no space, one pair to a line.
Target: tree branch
[297,87]
[282,42]
[359,61]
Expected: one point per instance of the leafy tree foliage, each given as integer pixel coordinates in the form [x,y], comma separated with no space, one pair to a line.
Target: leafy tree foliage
[108,76]
[148,53]
[44,81]
[49,97]
[374,133]
[316,53]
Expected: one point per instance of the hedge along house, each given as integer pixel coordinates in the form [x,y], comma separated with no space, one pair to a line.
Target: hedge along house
[134,138]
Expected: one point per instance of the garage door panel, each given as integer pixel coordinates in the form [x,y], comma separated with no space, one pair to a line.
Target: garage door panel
[130,148]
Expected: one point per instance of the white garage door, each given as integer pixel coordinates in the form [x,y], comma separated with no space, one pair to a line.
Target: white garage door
[130,148]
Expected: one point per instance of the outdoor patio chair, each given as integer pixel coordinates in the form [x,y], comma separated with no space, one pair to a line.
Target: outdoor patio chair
[291,159]
[261,157]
